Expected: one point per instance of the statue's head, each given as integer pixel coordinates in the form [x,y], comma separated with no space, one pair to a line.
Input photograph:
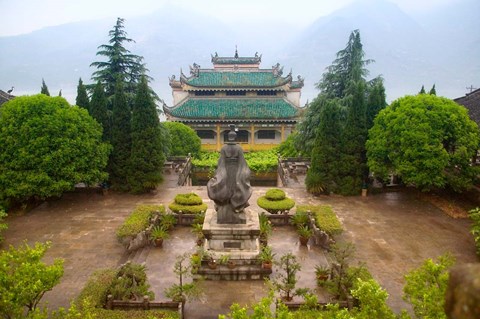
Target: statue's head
[232,135]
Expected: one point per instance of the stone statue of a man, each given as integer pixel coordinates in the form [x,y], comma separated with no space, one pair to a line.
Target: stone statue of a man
[230,187]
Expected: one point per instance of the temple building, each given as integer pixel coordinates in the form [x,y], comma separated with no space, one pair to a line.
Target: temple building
[263,104]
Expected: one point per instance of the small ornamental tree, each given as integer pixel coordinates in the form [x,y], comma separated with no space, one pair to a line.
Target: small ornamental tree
[182,140]
[189,203]
[275,200]
[183,290]
[25,279]
[286,279]
[428,141]
[46,147]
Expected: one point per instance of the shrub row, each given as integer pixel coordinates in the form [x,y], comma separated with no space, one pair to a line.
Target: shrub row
[138,220]
[325,218]
[135,314]
[475,228]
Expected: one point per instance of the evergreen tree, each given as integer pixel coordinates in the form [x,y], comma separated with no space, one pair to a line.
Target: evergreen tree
[422,90]
[147,156]
[120,139]
[82,96]
[60,92]
[433,91]
[98,110]
[322,175]
[376,100]
[120,64]
[44,88]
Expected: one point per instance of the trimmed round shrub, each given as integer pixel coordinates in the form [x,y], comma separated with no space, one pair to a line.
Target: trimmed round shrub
[188,199]
[275,201]
[138,220]
[275,194]
[189,203]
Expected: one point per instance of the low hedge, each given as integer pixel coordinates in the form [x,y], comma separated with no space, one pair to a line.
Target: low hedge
[138,220]
[275,206]
[474,215]
[136,314]
[325,218]
[188,199]
[97,287]
[188,209]
[275,194]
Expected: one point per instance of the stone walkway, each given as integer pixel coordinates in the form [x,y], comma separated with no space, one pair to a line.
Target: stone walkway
[393,233]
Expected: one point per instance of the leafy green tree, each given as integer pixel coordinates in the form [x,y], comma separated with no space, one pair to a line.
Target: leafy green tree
[376,100]
[288,147]
[182,139]
[120,65]
[183,290]
[324,162]
[426,287]
[428,141]
[147,144]
[372,301]
[433,91]
[25,279]
[422,90]
[44,88]
[3,225]
[82,96]
[99,111]
[46,147]
[121,140]
[286,279]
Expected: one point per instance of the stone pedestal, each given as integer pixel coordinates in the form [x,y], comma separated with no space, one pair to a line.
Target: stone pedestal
[239,241]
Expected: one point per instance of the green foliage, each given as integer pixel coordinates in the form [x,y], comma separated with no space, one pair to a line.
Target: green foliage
[44,89]
[99,111]
[24,279]
[97,288]
[266,254]
[189,203]
[325,218]
[372,300]
[475,228]
[182,140]
[147,156]
[121,65]
[135,314]
[188,199]
[433,91]
[182,290]
[288,148]
[422,90]
[138,220]
[275,194]
[119,161]
[322,177]
[131,283]
[3,225]
[300,218]
[46,147]
[428,141]
[159,232]
[426,287]
[286,277]
[265,225]
[275,201]
[260,310]
[258,162]
[82,96]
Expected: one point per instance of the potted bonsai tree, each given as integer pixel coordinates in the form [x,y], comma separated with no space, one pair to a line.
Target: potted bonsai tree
[304,233]
[197,229]
[158,234]
[322,273]
[266,257]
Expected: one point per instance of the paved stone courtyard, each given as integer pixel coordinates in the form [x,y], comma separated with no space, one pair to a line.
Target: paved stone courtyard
[393,233]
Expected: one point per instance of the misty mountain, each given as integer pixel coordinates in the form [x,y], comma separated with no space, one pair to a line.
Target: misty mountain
[408,50]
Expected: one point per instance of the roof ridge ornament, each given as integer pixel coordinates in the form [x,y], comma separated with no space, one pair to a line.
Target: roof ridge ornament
[195,69]
[277,70]
[236,52]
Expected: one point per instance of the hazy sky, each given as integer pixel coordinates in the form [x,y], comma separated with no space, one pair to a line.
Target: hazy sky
[24,16]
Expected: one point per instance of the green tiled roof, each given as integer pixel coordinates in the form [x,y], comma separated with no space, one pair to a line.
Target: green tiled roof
[233,60]
[236,79]
[245,108]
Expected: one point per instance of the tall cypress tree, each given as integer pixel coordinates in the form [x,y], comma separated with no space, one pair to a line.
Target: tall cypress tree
[422,90]
[120,65]
[433,91]
[82,96]
[98,110]
[376,100]
[118,165]
[323,173]
[44,88]
[147,156]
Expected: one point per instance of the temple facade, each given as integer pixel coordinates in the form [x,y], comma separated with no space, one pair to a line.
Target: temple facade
[263,104]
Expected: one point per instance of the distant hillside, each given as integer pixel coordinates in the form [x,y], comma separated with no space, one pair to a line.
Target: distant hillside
[409,51]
